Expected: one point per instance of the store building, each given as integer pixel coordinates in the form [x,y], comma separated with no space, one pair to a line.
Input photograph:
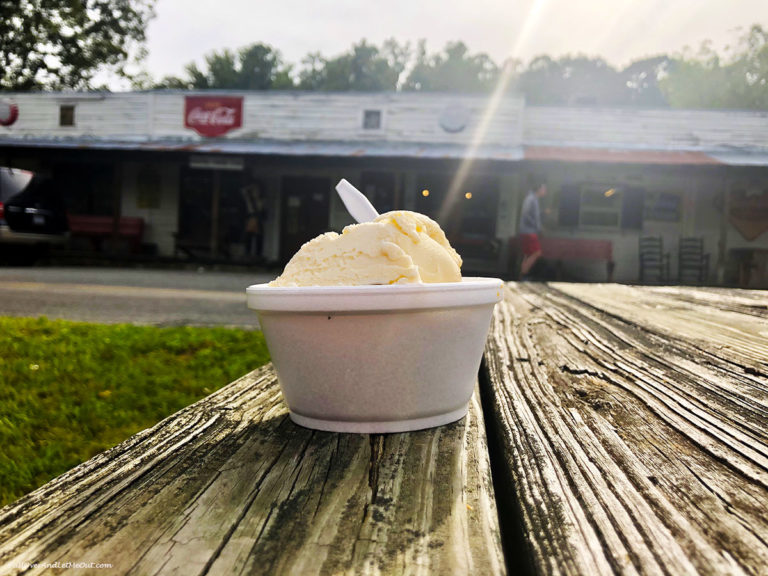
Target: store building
[241,176]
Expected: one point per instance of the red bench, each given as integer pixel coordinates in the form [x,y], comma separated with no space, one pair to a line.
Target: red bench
[97,228]
[567,249]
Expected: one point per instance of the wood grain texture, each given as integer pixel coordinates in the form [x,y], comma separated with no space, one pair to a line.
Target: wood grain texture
[633,428]
[231,486]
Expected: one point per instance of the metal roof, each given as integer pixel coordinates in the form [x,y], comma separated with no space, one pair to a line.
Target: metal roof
[389,149]
[741,157]
[617,156]
[362,149]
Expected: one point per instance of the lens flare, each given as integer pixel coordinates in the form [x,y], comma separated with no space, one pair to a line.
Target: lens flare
[531,24]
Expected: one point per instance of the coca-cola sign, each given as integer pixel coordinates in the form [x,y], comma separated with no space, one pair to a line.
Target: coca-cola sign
[9,112]
[213,115]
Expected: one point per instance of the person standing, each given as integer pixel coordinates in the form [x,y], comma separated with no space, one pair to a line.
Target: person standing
[530,226]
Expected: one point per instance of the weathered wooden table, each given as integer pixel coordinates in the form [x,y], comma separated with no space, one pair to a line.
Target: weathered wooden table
[616,429]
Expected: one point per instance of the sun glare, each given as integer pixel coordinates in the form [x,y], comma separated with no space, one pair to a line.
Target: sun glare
[529,26]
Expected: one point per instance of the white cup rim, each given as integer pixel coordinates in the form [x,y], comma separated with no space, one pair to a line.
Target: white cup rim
[471,291]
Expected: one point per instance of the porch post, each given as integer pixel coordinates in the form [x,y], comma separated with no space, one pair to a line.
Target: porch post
[117,204]
[722,248]
[215,212]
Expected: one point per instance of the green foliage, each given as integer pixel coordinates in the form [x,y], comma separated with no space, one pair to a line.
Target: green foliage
[454,69]
[255,67]
[642,79]
[364,68]
[584,81]
[69,390]
[49,44]
[737,79]
[696,82]
[312,74]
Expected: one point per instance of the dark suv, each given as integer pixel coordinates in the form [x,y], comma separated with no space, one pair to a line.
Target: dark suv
[32,215]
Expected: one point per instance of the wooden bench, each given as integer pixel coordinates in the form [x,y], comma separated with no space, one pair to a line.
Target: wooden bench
[98,228]
[561,250]
[626,433]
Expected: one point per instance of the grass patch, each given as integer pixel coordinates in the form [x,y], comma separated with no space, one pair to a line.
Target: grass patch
[69,390]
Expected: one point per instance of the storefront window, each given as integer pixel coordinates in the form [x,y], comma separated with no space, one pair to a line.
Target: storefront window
[662,206]
[600,206]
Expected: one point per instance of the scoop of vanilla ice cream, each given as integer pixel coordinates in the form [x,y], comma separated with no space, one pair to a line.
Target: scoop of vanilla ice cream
[397,247]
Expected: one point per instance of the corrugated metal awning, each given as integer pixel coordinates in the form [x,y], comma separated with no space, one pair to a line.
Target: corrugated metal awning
[362,149]
[741,158]
[617,156]
[388,149]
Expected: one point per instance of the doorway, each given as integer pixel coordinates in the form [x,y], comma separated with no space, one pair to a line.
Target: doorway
[305,210]
[381,190]
[212,214]
[470,221]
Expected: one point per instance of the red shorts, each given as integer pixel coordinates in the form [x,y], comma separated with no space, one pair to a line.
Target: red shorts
[530,244]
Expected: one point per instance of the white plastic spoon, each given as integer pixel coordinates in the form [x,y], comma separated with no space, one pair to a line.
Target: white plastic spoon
[356,202]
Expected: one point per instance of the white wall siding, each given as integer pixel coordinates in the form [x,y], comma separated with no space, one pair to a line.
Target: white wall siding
[638,128]
[267,115]
[406,117]
[95,115]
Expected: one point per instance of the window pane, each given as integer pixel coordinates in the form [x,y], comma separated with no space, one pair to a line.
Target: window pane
[372,119]
[662,206]
[632,210]
[599,218]
[602,198]
[66,115]
[568,206]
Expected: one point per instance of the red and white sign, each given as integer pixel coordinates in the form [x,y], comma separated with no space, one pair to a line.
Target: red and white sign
[213,115]
[9,112]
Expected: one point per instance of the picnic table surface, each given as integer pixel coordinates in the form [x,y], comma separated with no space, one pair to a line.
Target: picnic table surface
[615,429]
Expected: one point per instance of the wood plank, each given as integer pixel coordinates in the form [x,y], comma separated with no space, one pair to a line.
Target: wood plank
[629,450]
[752,302]
[230,485]
[718,331]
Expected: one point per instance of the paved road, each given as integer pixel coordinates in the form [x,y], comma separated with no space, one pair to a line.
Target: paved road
[110,295]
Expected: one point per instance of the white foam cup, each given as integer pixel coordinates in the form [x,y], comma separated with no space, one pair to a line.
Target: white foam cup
[373,359]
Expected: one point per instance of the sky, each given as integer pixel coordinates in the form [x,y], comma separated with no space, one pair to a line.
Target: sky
[618,30]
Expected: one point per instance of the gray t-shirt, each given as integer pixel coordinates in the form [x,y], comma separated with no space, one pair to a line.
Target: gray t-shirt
[530,218]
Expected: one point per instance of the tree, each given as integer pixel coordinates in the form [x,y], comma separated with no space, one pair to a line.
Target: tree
[50,44]
[572,80]
[364,68]
[254,67]
[738,79]
[642,79]
[696,81]
[312,74]
[455,69]
[750,70]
